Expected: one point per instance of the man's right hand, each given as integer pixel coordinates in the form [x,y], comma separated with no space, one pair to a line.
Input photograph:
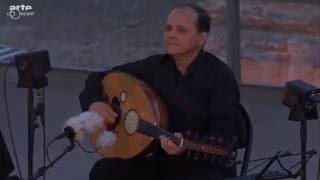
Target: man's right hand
[105,111]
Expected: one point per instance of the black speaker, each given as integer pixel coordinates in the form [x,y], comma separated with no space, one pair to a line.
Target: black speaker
[32,68]
[6,165]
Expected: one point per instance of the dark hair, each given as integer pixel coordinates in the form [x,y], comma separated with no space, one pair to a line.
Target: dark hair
[203,21]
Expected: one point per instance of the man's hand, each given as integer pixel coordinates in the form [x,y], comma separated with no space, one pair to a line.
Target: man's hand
[105,111]
[169,146]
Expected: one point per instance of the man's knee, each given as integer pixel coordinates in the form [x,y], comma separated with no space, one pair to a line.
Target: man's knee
[111,169]
[97,170]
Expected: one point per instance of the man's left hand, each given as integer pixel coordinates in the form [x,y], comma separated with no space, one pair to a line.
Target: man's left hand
[169,146]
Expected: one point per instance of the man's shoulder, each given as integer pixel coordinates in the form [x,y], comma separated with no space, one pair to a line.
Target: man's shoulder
[148,64]
[219,68]
[215,61]
[153,59]
[141,67]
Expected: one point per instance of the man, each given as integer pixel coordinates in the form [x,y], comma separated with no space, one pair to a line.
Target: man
[201,94]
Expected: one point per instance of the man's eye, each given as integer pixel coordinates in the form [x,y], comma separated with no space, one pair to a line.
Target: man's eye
[182,30]
[168,28]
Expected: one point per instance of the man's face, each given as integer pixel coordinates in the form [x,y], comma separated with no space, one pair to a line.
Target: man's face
[181,35]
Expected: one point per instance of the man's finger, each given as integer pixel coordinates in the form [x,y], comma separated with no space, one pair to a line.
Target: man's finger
[171,144]
[179,135]
[110,111]
[109,119]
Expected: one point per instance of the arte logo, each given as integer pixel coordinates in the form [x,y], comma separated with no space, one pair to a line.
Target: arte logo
[16,11]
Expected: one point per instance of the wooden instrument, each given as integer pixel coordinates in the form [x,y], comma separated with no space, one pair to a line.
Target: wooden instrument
[142,119]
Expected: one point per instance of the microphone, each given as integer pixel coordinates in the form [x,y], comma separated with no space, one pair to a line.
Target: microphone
[78,127]
[67,132]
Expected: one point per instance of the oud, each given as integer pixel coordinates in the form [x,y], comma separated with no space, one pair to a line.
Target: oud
[142,119]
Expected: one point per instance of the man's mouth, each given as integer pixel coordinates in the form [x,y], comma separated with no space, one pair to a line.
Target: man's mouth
[172,43]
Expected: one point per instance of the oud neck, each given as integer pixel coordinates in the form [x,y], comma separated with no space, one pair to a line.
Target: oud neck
[155,132]
[187,144]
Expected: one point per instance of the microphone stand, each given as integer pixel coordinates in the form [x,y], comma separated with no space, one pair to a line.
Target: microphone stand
[39,110]
[41,171]
[31,128]
[32,68]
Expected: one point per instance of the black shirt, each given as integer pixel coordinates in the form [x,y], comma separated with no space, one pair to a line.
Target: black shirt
[204,99]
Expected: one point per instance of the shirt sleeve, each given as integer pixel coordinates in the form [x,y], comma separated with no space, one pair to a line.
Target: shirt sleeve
[92,91]
[225,116]
[93,88]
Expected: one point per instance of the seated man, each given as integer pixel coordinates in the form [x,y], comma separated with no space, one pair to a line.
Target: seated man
[200,92]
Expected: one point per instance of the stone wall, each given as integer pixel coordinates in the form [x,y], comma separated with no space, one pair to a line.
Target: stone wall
[280,39]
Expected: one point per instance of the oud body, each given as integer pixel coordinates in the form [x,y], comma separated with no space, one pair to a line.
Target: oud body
[132,99]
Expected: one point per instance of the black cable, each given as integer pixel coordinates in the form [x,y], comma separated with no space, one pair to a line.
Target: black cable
[9,120]
[83,149]
[42,170]
[47,150]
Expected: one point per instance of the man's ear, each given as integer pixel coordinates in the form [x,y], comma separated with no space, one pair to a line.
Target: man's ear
[203,38]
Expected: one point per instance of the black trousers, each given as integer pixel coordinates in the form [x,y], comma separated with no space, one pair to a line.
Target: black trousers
[157,169]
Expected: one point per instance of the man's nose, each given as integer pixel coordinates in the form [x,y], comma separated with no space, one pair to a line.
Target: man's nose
[172,33]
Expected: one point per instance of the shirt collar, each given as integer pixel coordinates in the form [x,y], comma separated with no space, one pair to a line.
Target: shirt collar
[193,66]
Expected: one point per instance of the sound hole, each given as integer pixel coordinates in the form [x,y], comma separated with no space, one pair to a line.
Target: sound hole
[131,122]
[123,96]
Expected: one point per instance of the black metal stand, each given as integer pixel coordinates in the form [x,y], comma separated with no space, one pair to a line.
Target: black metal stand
[288,174]
[259,176]
[303,138]
[31,127]
[33,113]
[41,171]
[31,68]
[40,112]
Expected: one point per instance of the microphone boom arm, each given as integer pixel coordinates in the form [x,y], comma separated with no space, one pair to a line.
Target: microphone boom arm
[42,170]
